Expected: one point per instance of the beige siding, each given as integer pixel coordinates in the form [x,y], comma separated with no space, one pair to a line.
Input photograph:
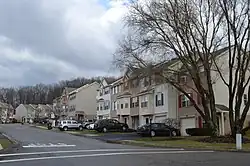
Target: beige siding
[86,100]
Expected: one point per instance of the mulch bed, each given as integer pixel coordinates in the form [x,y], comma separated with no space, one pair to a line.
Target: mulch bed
[222,139]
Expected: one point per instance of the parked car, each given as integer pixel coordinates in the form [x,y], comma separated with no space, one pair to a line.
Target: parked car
[91,126]
[85,124]
[69,124]
[157,129]
[105,125]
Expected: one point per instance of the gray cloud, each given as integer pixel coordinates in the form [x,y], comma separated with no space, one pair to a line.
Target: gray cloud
[46,41]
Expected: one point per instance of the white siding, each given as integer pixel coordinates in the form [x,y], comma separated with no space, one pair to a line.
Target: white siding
[21,111]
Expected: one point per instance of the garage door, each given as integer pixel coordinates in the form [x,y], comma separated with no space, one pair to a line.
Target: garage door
[160,119]
[187,123]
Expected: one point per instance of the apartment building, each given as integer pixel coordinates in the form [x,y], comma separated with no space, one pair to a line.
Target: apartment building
[145,98]
[82,102]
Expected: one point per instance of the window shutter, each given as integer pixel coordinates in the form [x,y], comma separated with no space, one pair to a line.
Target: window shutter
[179,101]
[162,99]
[156,100]
[200,121]
[131,101]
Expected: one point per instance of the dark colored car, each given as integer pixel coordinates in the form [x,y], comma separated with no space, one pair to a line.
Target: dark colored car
[105,125]
[157,129]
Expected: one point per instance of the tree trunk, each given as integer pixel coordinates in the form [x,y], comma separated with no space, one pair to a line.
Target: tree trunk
[214,127]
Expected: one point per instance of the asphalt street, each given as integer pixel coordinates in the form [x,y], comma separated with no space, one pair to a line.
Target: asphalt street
[48,148]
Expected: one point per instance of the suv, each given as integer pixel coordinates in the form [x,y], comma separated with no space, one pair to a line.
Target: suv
[105,125]
[70,124]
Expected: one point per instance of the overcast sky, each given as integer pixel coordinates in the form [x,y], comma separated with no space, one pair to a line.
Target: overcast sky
[44,41]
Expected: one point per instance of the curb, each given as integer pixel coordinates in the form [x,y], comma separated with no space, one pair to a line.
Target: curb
[15,144]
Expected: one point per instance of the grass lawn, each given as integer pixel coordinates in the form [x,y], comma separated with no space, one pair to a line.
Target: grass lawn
[77,132]
[5,142]
[185,142]
[42,127]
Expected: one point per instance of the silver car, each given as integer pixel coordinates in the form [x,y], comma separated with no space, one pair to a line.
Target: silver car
[70,124]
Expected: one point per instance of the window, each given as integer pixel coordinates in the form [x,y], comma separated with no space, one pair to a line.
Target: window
[135,102]
[121,106]
[126,105]
[106,91]
[114,105]
[245,99]
[184,101]
[144,101]
[97,108]
[183,79]
[159,99]
[64,122]
[74,122]
[147,120]
[126,85]
[106,105]
[69,122]
[146,81]
[135,83]
[101,92]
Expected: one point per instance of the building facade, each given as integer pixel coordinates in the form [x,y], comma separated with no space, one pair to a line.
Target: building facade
[145,98]
[82,102]
[105,107]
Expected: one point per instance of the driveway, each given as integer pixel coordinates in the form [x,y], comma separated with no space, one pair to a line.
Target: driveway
[42,147]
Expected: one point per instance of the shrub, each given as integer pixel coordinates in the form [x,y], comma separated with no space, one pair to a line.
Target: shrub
[199,131]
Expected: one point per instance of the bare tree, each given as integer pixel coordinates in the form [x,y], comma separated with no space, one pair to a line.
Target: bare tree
[194,32]
[237,26]
[184,29]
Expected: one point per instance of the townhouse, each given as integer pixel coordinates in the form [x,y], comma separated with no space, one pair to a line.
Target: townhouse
[145,98]
[189,117]
[26,113]
[44,111]
[116,89]
[103,99]
[81,102]
[60,104]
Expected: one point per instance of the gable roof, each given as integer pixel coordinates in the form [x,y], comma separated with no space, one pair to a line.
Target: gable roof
[30,106]
[83,87]
[45,106]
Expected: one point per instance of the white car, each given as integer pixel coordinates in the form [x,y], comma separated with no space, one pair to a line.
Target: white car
[69,124]
[91,126]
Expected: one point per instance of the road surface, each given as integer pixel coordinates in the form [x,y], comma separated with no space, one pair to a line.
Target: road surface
[48,148]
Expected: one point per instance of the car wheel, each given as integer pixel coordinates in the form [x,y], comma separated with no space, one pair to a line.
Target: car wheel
[173,133]
[152,133]
[124,128]
[65,128]
[104,129]
[80,128]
